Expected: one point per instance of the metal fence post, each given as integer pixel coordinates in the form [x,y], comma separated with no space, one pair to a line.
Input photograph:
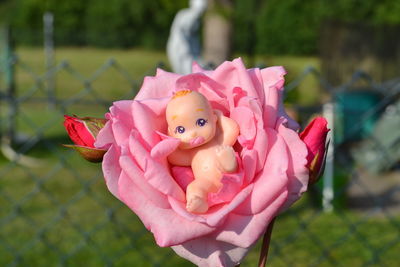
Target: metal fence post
[48,29]
[9,82]
[328,192]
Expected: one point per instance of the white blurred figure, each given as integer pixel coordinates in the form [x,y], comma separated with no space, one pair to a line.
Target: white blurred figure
[183,45]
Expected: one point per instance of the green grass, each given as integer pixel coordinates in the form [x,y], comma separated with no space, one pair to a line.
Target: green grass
[138,63]
[86,73]
[87,60]
[86,77]
[60,213]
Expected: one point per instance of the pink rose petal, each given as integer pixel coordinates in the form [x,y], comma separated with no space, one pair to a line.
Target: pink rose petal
[131,170]
[105,137]
[155,173]
[237,95]
[112,170]
[273,82]
[159,86]
[231,184]
[180,208]
[273,178]
[168,228]
[196,67]
[212,90]
[289,122]
[218,216]
[272,76]
[234,74]
[249,159]
[165,147]
[256,78]
[261,148]
[214,254]
[120,131]
[297,172]
[148,122]
[159,177]
[243,230]
[247,124]
[183,176]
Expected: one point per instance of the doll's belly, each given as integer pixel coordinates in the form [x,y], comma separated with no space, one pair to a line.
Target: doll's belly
[205,166]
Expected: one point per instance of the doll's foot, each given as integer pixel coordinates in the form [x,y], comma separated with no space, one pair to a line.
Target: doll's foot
[226,158]
[196,204]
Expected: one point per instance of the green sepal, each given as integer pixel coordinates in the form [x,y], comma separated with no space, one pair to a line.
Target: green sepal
[94,125]
[315,175]
[90,154]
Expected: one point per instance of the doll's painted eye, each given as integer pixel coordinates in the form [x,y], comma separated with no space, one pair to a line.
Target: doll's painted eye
[180,129]
[201,122]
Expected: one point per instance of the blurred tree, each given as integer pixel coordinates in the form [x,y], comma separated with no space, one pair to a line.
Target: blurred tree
[69,20]
[289,27]
[378,12]
[261,27]
[245,36]
[25,17]
[5,7]
[124,23]
[387,12]
[114,23]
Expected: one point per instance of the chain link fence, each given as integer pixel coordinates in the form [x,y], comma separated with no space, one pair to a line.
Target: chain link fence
[55,209]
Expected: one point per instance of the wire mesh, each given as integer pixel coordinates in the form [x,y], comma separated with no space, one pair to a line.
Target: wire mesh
[55,209]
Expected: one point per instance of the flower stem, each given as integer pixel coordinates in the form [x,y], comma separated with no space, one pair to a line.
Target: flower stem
[265,245]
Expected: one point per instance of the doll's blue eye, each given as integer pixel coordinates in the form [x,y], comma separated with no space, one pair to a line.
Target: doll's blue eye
[201,122]
[180,129]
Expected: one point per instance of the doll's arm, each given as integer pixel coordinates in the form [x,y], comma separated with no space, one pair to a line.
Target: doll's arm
[180,158]
[229,129]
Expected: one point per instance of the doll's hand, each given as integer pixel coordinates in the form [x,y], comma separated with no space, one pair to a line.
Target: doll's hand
[229,129]
[218,113]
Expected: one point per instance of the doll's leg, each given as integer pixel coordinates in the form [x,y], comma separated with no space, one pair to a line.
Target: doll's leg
[226,159]
[196,195]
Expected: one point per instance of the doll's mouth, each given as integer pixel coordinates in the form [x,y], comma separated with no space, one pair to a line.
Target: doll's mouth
[197,141]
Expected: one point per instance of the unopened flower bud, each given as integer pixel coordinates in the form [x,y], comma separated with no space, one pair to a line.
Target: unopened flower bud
[314,136]
[83,132]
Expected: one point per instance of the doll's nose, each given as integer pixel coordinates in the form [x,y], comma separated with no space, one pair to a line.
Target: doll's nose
[193,134]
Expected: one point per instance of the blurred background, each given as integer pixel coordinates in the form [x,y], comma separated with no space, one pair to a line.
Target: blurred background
[77,57]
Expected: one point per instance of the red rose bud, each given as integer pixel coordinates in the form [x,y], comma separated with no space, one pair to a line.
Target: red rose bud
[314,136]
[83,132]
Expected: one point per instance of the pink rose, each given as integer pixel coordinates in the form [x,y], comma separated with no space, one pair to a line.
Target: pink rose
[272,162]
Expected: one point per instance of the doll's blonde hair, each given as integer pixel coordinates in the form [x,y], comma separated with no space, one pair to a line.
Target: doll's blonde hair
[181,93]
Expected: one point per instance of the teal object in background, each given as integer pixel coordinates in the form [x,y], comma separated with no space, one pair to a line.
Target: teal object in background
[351,108]
[381,151]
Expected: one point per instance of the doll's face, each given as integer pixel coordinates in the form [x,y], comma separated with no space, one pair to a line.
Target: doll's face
[191,119]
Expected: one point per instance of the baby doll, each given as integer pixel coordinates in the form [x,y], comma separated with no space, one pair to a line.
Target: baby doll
[207,137]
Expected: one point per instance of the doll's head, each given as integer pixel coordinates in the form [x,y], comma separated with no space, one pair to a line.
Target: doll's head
[191,119]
